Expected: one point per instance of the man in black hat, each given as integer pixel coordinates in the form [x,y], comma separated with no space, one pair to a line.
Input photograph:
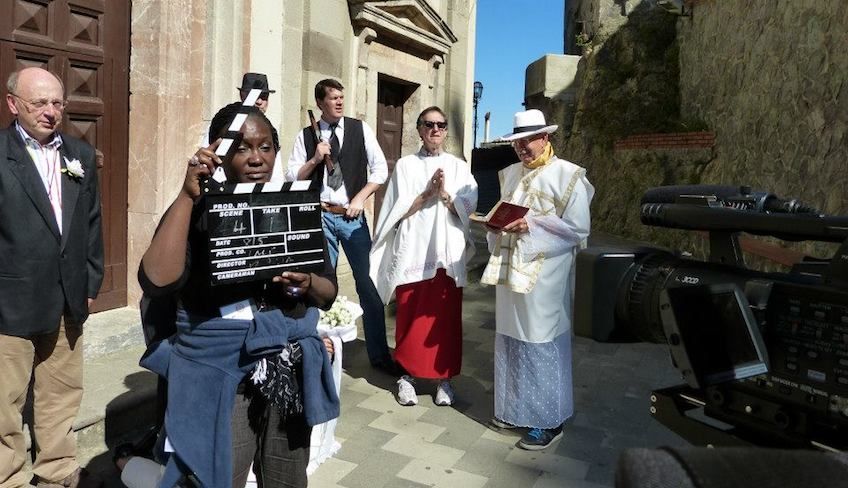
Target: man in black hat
[254,81]
[251,81]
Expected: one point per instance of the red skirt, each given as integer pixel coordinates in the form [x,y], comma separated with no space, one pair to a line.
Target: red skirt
[428,327]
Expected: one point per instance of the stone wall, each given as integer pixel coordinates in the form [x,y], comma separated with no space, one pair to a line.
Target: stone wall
[770,77]
[167,66]
[627,84]
[767,78]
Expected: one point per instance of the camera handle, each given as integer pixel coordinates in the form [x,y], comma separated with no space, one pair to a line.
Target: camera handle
[725,248]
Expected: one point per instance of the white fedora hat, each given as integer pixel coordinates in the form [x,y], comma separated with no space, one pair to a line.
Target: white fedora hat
[528,123]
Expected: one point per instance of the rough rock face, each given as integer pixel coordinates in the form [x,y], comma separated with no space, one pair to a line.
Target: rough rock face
[769,78]
[629,85]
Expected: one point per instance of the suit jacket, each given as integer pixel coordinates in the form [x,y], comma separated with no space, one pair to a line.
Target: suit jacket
[45,274]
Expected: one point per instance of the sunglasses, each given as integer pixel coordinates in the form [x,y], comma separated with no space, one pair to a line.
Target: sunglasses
[430,124]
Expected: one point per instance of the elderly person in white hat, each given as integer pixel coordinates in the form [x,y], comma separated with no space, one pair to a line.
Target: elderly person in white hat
[532,264]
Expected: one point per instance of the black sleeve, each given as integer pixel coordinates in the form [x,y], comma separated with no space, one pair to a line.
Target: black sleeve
[94,261]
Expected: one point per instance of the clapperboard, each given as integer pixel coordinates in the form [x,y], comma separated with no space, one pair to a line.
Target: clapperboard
[258,230]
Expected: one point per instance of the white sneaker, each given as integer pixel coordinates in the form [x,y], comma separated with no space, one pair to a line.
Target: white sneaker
[406,395]
[444,394]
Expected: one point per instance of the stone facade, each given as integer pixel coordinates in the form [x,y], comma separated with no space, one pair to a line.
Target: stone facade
[188,57]
[624,82]
[771,79]
[767,79]
[773,85]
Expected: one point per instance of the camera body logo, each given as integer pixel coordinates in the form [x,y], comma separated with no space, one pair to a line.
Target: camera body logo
[689,280]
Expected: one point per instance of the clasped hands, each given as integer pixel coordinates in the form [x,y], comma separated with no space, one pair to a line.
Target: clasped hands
[436,188]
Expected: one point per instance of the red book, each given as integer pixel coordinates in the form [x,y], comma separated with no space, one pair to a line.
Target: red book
[504,213]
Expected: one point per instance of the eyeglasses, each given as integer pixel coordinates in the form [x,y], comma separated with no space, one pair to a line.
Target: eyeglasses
[430,124]
[42,103]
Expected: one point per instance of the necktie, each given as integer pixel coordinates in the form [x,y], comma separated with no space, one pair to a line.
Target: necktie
[334,180]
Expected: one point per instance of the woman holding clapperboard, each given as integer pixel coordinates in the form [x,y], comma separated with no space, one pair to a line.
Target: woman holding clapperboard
[220,417]
[419,254]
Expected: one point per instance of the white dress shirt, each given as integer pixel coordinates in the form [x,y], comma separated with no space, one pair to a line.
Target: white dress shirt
[47,161]
[378,170]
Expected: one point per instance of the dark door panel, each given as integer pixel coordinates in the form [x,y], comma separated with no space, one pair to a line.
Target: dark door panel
[86,42]
[391,96]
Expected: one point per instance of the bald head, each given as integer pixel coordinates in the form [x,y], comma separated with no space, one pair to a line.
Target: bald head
[12,81]
[36,97]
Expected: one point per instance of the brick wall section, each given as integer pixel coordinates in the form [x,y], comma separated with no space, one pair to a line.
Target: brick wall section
[674,140]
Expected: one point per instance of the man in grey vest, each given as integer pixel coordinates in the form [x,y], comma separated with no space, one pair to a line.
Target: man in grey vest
[359,168]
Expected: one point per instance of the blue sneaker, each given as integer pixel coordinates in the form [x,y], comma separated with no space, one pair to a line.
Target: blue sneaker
[537,439]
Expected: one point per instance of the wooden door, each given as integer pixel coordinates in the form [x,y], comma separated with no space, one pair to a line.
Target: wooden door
[390,99]
[86,43]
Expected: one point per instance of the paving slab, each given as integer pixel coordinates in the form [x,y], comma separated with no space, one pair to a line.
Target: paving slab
[385,445]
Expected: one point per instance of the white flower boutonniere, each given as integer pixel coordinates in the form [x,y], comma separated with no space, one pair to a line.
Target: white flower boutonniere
[73,168]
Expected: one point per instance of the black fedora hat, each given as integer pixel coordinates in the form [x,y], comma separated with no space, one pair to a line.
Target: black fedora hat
[252,81]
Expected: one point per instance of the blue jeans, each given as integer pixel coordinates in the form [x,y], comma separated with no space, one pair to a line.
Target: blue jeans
[356,241]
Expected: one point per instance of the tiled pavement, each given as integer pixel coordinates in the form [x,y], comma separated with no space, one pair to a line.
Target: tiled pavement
[387,445]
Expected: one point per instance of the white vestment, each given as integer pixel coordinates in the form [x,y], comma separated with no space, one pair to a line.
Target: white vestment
[535,271]
[411,250]
[534,274]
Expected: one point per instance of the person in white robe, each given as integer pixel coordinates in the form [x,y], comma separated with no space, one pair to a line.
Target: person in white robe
[532,264]
[420,252]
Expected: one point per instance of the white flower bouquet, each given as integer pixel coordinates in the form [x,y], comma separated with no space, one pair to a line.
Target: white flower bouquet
[340,320]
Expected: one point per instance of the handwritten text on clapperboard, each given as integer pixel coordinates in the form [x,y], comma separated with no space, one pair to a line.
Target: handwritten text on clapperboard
[254,236]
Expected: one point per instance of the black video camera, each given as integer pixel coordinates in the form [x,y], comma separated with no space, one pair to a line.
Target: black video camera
[764,355]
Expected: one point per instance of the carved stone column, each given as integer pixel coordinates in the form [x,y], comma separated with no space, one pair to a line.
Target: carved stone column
[366,36]
[434,83]
[167,71]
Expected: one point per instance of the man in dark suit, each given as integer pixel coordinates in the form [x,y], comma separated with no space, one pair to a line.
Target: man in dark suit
[359,168]
[51,267]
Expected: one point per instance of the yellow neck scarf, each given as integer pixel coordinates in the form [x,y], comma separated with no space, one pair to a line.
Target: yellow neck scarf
[543,158]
